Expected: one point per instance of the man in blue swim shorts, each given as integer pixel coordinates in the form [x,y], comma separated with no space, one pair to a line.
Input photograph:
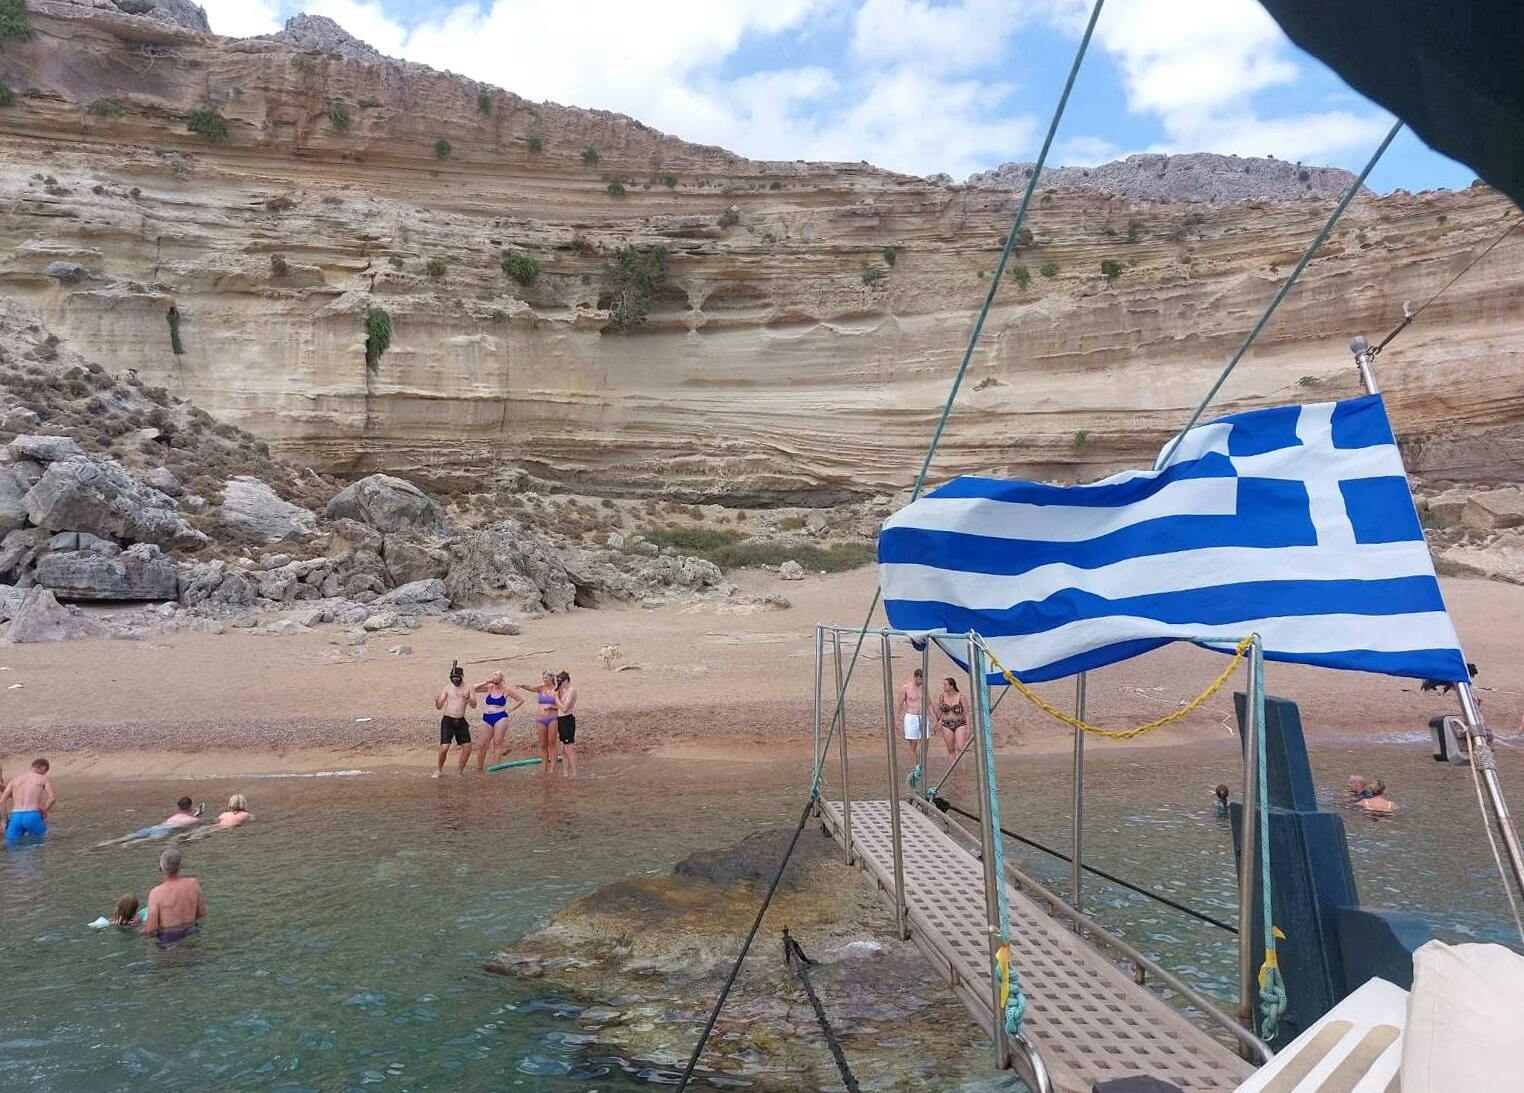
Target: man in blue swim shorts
[31,796]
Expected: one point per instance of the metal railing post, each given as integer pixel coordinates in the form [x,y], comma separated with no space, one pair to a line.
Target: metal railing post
[817,761]
[1476,728]
[841,733]
[1075,873]
[1248,873]
[890,740]
[925,741]
[987,837]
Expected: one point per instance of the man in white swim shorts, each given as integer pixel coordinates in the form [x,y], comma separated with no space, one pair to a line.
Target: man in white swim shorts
[908,703]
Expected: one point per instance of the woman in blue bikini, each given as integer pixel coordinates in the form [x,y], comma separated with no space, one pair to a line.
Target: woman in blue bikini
[494,715]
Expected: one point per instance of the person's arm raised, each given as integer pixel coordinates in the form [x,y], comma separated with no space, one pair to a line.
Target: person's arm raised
[439,700]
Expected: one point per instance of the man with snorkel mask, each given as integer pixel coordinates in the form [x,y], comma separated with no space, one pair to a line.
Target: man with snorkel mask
[454,700]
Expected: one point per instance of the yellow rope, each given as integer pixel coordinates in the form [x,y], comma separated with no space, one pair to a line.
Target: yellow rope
[1123,734]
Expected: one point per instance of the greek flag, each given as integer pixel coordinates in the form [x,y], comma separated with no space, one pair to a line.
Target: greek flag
[1294,522]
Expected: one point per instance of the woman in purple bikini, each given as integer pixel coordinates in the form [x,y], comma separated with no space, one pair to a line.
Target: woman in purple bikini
[545,718]
[495,701]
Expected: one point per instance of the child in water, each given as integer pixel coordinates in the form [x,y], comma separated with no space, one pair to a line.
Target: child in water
[1220,799]
[127,915]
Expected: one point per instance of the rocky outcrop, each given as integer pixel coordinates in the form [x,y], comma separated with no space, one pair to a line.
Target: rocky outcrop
[387,504]
[180,13]
[250,507]
[505,564]
[37,616]
[139,573]
[1193,177]
[103,499]
[786,356]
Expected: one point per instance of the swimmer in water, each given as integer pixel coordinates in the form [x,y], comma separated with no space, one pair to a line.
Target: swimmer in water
[32,796]
[454,700]
[544,718]
[1358,788]
[495,698]
[236,815]
[1378,801]
[1220,799]
[176,906]
[182,817]
[124,916]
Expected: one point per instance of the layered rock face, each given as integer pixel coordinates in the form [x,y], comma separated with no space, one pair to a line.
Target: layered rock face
[798,347]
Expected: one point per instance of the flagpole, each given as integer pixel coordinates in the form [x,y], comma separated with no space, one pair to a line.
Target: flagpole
[1480,740]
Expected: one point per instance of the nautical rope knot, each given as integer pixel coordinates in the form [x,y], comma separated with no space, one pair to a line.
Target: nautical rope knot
[1272,995]
[913,779]
[1123,734]
[1012,998]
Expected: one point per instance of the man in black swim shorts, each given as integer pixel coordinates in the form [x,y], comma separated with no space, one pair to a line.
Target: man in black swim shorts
[566,722]
[454,700]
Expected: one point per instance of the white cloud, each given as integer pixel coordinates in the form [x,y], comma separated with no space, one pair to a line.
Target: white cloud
[242,18]
[1086,152]
[939,37]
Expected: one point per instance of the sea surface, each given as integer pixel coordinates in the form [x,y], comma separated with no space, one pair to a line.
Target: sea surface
[350,922]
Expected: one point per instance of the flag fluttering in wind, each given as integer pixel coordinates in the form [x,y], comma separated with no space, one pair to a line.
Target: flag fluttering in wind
[1294,522]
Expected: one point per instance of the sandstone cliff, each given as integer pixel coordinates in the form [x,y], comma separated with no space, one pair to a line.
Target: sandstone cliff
[798,347]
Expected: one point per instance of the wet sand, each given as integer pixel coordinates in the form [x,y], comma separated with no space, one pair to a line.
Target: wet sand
[709,681]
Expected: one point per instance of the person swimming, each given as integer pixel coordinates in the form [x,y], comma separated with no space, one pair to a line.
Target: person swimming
[185,815]
[124,916]
[1220,799]
[1378,801]
[496,696]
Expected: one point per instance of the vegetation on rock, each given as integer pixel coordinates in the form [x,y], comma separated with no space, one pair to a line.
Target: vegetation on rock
[730,217]
[670,182]
[590,156]
[13,20]
[536,144]
[891,255]
[442,149]
[1023,276]
[7,94]
[1048,269]
[338,113]
[176,346]
[635,275]
[732,550]
[278,265]
[522,268]
[874,274]
[484,102]
[1080,438]
[209,123]
[616,188]
[1110,268]
[435,268]
[105,108]
[378,337]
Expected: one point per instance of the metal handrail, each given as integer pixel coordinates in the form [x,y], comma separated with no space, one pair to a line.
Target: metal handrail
[1143,963]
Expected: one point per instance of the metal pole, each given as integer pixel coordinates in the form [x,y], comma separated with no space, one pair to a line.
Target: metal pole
[987,837]
[925,711]
[1248,840]
[1079,793]
[841,733]
[817,761]
[892,742]
[1476,728]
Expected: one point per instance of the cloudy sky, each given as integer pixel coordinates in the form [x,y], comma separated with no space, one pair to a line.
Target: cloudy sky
[912,85]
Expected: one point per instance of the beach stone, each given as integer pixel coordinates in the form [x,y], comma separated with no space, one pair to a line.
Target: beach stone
[251,507]
[316,616]
[1494,510]
[167,610]
[279,585]
[243,622]
[283,628]
[194,502]
[483,622]
[139,573]
[103,499]
[39,617]
[215,583]
[791,571]
[401,650]
[275,561]
[616,540]
[507,564]
[45,449]
[426,597]
[381,620]
[386,503]
[407,562]
[351,615]
[1501,559]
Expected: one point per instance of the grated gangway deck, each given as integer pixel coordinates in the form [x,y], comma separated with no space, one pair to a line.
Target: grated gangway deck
[1086,1016]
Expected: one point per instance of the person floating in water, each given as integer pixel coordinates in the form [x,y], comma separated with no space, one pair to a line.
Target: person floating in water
[31,796]
[453,728]
[907,703]
[1378,801]
[1220,799]
[236,815]
[182,817]
[496,696]
[124,916]
[1359,788]
[176,907]
[566,722]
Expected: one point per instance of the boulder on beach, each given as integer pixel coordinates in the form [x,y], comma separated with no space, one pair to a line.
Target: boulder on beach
[407,561]
[386,503]
[139,573]
[45,449]
[426,597]
[37,616]
[252,508]
[506,564]
[483,622]
[791,571]
[103,499]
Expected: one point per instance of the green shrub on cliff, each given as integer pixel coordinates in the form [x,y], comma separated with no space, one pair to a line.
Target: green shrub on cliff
[484,102]
[635,276]
[435,268]
[536,144]
[616,188]
[13,20]
[7,94]
[590,156]
[378,337]
[338,113]
[176,346]
[1023,276]
[522,268]
[442,149]
[1048,269]
[732,550]
[1110,268]
[210,124]
[105,108]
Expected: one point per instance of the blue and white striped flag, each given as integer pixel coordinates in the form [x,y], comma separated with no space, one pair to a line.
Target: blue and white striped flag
[1294,522]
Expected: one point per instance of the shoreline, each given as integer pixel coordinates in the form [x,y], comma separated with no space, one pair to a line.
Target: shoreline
[699,681]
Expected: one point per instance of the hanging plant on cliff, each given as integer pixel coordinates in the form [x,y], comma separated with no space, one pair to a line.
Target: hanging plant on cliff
[635,277]
[522,268]
[176,346]
[378,337]
[13,20]
[210,124]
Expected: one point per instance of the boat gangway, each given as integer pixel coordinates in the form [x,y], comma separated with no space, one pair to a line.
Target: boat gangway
[1090,1017]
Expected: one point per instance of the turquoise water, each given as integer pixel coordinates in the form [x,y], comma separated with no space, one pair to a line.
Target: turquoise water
[350,921]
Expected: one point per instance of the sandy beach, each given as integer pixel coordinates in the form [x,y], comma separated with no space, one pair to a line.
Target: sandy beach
[705,679]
